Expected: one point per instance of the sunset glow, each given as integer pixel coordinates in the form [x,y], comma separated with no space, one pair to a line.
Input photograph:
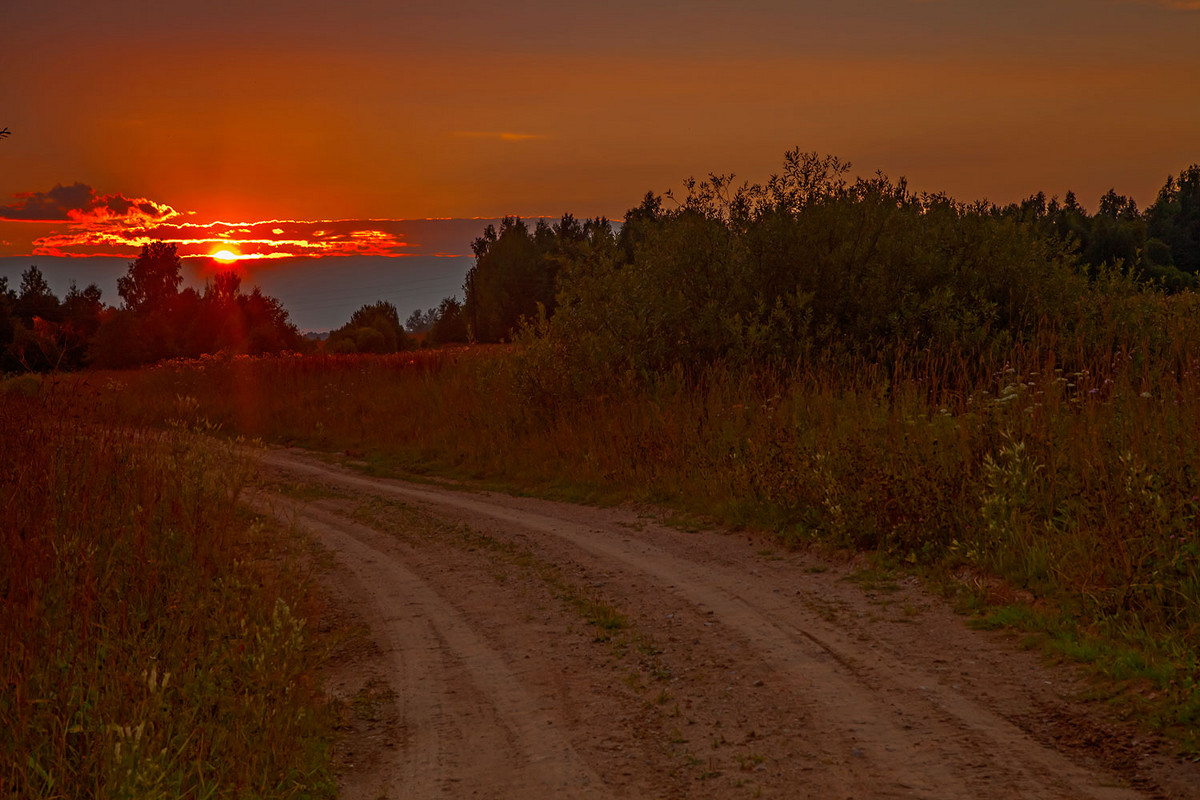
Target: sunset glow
[301,144]
[71,234]
[979,100]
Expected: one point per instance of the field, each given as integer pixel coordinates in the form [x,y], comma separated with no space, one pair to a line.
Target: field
[1061,501]
[153,638]
[1040,474]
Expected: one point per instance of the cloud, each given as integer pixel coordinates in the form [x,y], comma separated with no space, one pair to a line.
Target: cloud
[80,203]
[77,221]
[503,136]
[1179,5]
[268,239]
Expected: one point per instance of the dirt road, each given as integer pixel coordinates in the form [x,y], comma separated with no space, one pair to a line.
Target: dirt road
[526,649]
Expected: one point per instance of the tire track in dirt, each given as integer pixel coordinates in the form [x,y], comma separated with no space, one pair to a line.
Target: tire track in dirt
[878,718]
[458,740]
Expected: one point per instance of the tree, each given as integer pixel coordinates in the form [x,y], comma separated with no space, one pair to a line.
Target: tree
[1115,235]
[120,342]
[226,285]
[1174,219]
[420,321]
[8,300]
[81,312]
[153,279]
[218,322]
[503,284]
[35,299]
[373,328]
[1118,206]
[268,329]
[36,340]
[450,323]
[516,271]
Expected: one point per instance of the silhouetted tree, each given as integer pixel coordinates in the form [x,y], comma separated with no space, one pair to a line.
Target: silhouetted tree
[266,323]
[33,338]
[373,328]
[516,271]
[159,321]
[505,282]
[35,299]
[1115,235]
[153,278]
[637,222]
[1174,219]
[420,321]
[119,343]
[218,323]
[450,323]
[225,286]
[8,299]
[81,313]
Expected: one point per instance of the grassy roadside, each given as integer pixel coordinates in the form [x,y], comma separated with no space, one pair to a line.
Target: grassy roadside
[153,638]
[1074,489]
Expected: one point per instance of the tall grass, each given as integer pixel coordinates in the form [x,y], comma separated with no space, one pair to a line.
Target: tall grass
[152,638]
[1067,467]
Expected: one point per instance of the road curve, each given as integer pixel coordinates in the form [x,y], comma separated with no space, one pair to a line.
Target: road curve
[741,670]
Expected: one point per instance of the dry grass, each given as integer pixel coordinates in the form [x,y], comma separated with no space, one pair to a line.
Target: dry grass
[1068,469]
[152,637]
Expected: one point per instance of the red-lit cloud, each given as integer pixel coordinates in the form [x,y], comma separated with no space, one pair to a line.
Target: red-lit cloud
[267,239]
[76,221]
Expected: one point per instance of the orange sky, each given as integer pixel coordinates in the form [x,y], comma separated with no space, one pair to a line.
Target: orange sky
[130,118]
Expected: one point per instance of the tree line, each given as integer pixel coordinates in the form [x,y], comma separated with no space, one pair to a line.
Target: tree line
[809,260]
[156,320]
[813,263]
[814,257]
[1159,245]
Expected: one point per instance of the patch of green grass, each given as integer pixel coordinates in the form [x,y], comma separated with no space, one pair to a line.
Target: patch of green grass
[875,578]
[686,522]
[1009,616]
[1141,677]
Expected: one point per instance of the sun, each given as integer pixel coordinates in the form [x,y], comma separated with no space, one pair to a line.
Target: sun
[225,256]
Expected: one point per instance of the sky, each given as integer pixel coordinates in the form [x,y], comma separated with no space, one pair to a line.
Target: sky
[288,132]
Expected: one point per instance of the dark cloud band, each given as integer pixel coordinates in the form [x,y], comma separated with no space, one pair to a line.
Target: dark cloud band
[80,203]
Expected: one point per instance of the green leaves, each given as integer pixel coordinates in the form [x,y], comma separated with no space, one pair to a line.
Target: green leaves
[773,274]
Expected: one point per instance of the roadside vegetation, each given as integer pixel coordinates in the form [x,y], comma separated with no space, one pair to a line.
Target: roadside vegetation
[153,639]
[998,397]
[1062,500]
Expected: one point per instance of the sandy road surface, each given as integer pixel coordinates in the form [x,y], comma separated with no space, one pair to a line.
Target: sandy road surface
[722,667]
